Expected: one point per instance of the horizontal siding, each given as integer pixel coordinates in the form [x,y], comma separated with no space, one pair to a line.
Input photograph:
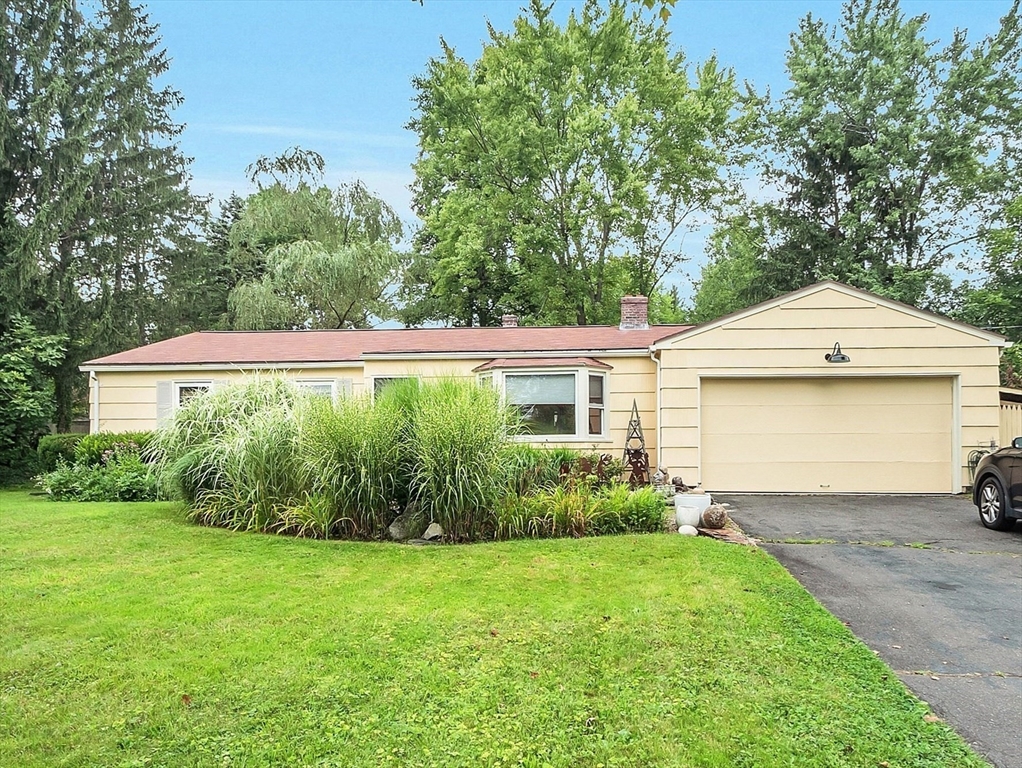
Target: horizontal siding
[792,339]
[127,399]
[851,339]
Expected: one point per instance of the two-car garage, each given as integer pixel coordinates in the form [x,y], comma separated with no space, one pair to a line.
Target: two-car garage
[754,402]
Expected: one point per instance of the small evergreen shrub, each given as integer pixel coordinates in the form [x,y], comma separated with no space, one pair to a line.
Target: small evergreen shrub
[54,448]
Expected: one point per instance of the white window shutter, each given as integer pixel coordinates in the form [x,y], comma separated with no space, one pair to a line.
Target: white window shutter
[164,403]
[343,387]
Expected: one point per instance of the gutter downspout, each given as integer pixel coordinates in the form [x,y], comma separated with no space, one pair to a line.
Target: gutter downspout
[659,446]
[94,381]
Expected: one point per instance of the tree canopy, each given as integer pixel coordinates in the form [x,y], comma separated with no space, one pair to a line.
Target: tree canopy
[94,197]
[893,156]
[563,168]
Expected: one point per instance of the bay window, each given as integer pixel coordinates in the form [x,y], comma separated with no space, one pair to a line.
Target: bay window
[557,404]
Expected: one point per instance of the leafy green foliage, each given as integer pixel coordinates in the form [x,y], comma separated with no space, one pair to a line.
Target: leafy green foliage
[26,394]
[562,169]
[94,449]
[581,509]
[732,278]
[107,466]
[165,644]
[55,448]
[122,477]
[892,156]
[997,302]
[307,256]
[94,197]
[265,456]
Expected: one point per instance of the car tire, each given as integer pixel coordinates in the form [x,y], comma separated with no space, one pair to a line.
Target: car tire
[991,504]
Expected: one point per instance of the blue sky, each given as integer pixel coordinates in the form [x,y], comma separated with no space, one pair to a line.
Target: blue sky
[258,77]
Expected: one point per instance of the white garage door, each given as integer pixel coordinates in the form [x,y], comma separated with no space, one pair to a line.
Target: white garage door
[827,435]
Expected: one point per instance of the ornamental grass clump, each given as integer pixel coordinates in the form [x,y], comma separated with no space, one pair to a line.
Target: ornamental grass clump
[232,455]
[356,460]
[459,435]
[267,456]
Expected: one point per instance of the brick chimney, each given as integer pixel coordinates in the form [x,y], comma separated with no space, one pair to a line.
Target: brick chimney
[509,321]
[634,313]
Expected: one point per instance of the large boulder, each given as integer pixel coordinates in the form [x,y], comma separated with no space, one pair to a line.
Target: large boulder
[714,517]
[407,525]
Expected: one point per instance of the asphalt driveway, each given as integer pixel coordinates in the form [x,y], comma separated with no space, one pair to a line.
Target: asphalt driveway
[920,581]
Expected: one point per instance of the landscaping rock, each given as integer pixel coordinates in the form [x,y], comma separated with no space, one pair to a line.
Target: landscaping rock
[687,530]
[729,535]
[714,516]
[433,532]
[406,526]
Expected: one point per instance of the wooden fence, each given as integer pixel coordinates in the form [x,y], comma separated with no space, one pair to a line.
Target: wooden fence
[1011,419]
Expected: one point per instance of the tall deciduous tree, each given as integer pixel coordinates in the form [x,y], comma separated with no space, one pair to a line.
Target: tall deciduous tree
[307,256]
[27,359]
[93,190]
[997,302]
[562,168]
[892,154]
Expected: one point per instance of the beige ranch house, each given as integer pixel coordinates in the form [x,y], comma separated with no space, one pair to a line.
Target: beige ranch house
[758,401]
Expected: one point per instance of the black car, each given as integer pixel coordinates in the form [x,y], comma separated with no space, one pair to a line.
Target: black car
[998,489]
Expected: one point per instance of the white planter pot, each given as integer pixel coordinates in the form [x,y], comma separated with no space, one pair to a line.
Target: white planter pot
[686,516]
[689,507]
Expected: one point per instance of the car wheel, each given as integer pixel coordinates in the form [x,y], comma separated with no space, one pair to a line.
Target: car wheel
[991,505]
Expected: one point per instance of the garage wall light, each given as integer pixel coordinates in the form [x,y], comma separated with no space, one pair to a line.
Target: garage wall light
[837,356]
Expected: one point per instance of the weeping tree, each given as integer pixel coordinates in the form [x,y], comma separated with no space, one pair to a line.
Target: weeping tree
[306,256]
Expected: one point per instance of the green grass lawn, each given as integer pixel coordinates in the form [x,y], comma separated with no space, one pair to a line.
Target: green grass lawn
[129,637]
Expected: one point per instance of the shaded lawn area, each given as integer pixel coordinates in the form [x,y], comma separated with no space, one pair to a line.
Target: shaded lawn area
[129,637]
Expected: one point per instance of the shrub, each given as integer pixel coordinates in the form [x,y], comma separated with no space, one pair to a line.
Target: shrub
[27,360]
[55,448]
[93,449]
[125,478]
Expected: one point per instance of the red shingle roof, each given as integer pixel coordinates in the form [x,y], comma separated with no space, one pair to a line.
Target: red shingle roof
[283,347]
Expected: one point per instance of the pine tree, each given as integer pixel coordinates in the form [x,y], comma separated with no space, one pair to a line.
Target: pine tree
[94,188]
